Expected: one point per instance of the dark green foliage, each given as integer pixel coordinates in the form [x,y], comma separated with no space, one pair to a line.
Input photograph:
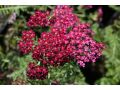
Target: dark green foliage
[112,53]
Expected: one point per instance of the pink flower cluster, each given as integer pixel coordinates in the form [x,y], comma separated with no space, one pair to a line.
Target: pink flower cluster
[64,17]
[84,48]
[59,46]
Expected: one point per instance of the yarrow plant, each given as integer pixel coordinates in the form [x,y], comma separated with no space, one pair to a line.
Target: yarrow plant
[68,40]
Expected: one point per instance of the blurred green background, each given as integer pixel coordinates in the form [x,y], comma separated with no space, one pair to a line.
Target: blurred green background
[107,29]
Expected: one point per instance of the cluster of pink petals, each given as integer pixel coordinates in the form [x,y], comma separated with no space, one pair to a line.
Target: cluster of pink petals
[84,48]
[64,17]
[68,39]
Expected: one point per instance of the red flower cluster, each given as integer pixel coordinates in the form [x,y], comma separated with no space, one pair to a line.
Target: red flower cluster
[59,46]
[52,46]
[26,44]
[39,19]
[36,72]
[28,35]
